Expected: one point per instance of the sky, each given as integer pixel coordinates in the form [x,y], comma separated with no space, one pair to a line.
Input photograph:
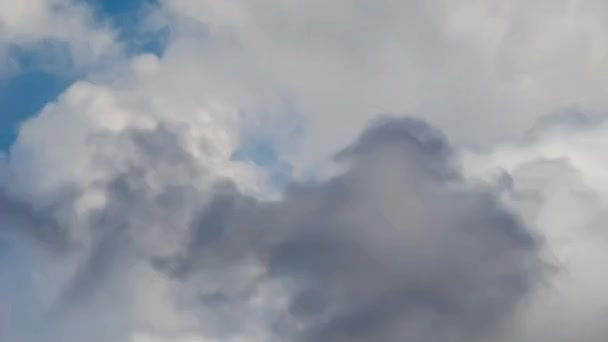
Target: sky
[299,171]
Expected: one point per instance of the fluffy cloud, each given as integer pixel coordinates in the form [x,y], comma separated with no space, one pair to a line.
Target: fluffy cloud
[398,245]
[480,70]
[63,34]
[157,232]
[555,180]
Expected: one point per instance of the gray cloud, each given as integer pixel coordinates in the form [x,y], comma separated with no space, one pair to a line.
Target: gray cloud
[557,184]
[133,210]
[26,221]
[396,248]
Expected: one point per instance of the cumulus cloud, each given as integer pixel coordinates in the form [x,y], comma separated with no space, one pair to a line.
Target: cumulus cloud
[556,181]
[161,231]
[63,34]
[397,246]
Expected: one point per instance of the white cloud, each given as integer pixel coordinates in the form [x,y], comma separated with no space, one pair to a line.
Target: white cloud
[479,69]
[63,165]
[36,25]
[559,184]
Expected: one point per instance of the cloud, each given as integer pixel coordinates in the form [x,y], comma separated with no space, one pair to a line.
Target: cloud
[558,186]
[480,70]
[168,234]
[63,33]
[397,245]
[78,166]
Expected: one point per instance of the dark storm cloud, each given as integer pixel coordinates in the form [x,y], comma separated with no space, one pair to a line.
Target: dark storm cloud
[396,248]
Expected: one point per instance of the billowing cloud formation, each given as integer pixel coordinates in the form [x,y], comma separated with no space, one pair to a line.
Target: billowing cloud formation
[554,178]
[161,230]
[397,246]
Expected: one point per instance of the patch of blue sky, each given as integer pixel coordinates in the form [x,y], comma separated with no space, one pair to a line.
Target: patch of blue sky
[265,143]
[36,83]
[127,18]
[264,154]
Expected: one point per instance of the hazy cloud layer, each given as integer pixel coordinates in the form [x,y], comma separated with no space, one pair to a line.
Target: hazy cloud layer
[480,70]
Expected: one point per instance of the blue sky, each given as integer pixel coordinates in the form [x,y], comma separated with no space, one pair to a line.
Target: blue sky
[125,16]
[25,95]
